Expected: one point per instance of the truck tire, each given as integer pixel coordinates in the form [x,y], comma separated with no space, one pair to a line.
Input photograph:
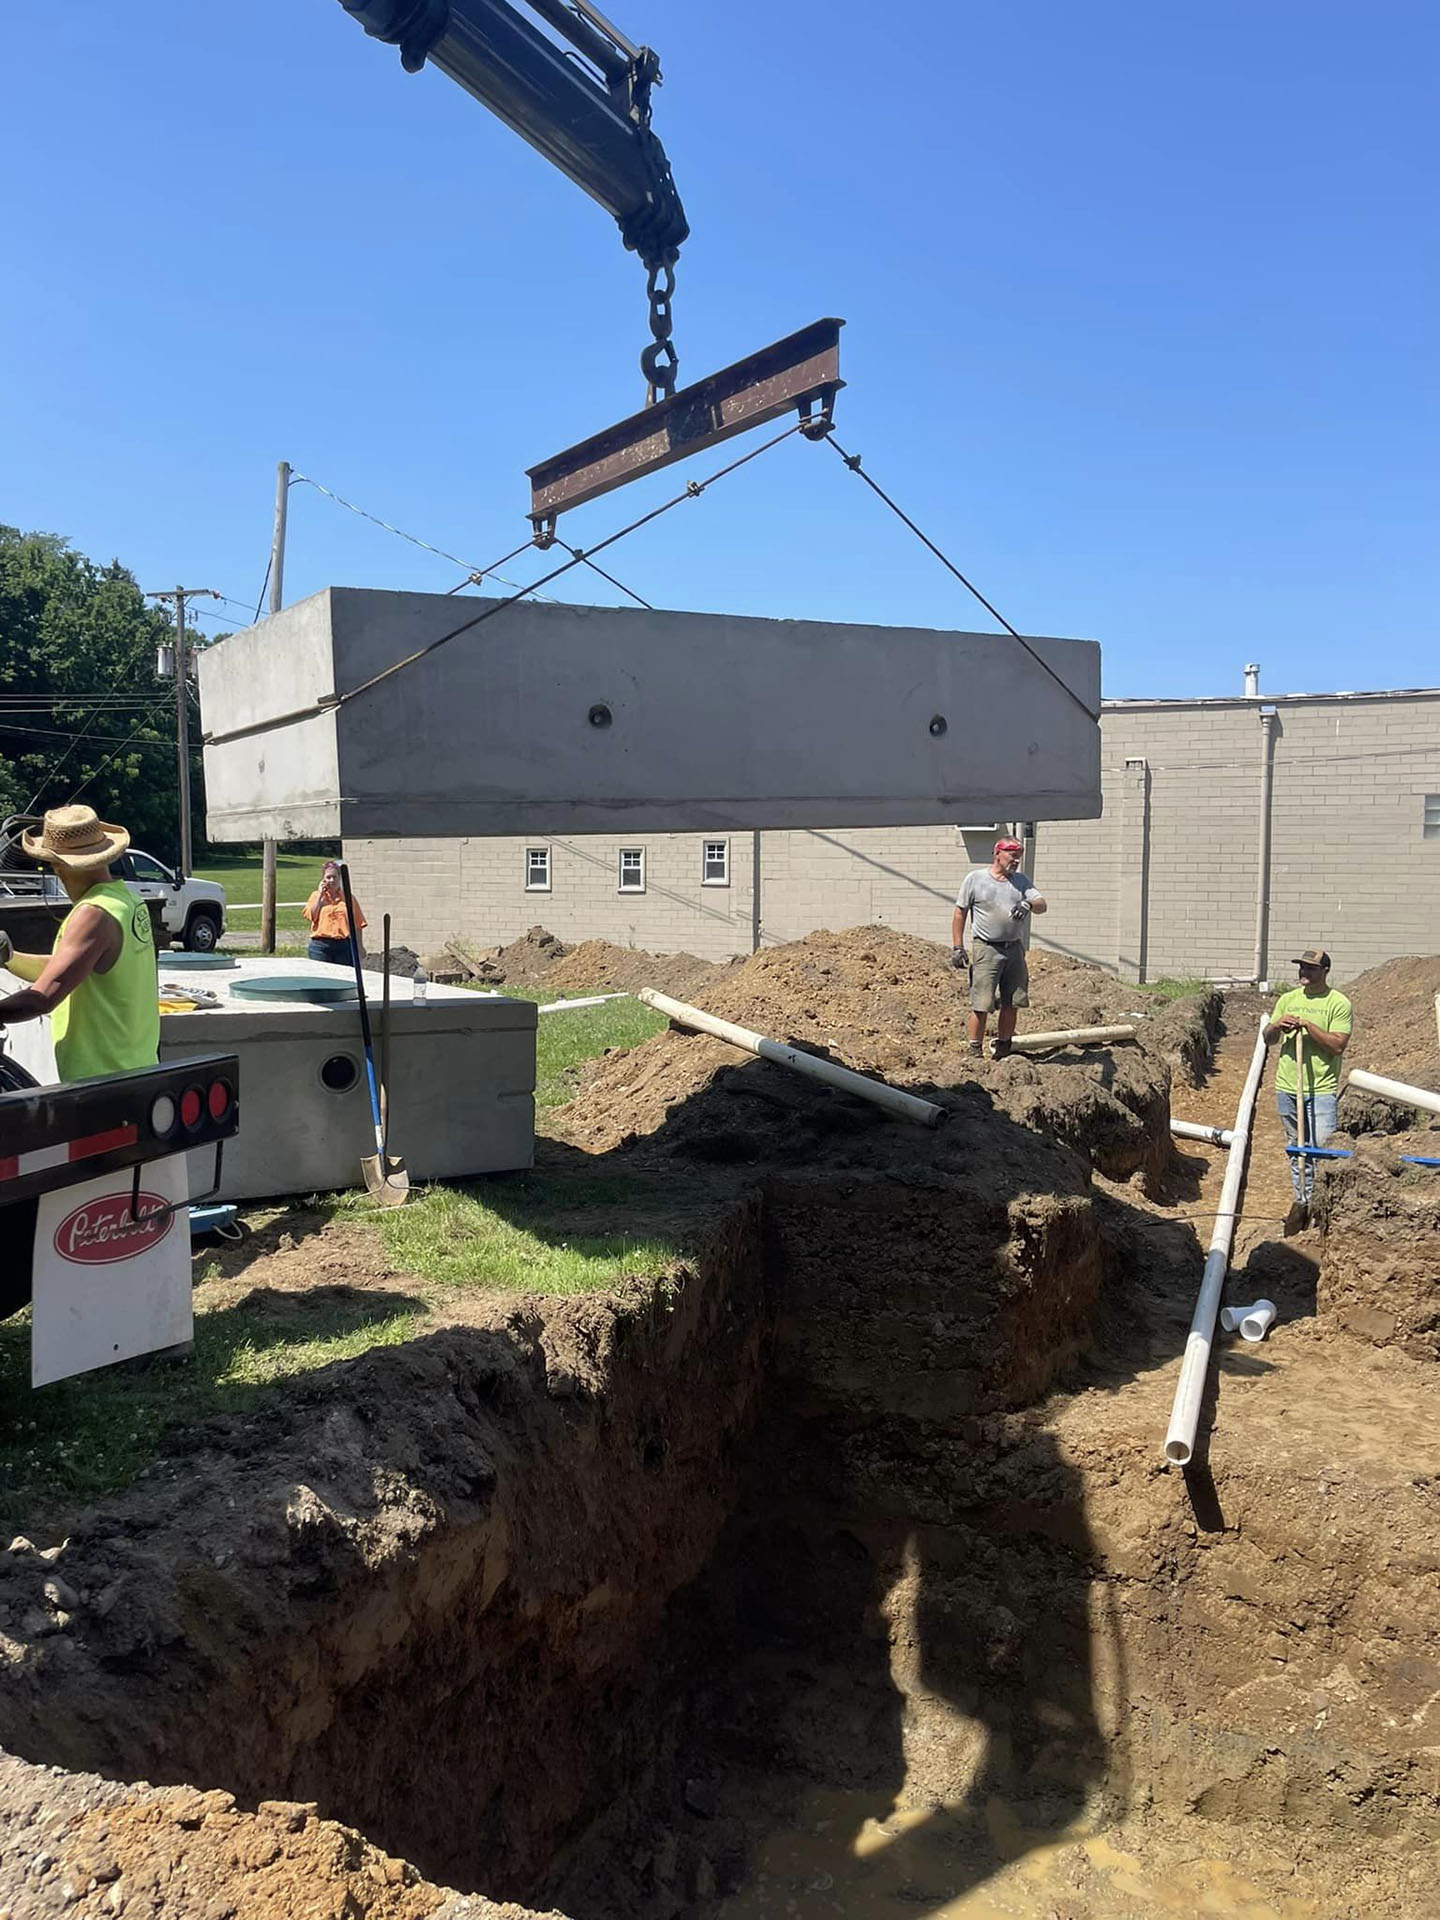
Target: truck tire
[17,1221]
[202,932]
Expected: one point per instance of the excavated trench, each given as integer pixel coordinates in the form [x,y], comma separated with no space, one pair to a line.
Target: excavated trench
[835,1574]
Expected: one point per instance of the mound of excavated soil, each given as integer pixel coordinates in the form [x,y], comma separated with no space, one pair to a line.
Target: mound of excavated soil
[523,963]
[889,1004]
[1379,1219]
[595,966]
[1395,1034]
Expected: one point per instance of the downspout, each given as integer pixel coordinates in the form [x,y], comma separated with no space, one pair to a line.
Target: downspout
[1268,717]
[755,891]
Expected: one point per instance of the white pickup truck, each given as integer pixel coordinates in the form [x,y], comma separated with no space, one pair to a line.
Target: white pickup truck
[189,910]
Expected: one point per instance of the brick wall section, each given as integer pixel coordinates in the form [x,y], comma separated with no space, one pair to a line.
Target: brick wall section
[1165,881]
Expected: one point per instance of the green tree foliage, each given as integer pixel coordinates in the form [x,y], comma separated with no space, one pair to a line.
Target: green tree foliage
[77,641]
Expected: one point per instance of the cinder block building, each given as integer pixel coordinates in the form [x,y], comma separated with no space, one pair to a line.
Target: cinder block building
[1235,832]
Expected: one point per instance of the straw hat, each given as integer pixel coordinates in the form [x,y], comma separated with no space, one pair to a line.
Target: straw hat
[74,837]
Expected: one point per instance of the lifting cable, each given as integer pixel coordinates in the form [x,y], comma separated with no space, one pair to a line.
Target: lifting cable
[579,556]
[852,461]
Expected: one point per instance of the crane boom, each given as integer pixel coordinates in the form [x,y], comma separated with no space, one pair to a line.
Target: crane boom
[595,128]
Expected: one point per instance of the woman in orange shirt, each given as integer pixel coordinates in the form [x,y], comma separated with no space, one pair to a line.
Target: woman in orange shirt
[329,922]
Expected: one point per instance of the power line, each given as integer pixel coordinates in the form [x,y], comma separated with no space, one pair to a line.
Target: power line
[95,739]
[852,461]
[473,575]
[92,778]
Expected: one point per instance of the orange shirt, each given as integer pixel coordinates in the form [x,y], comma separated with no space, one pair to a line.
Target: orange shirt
[327,918]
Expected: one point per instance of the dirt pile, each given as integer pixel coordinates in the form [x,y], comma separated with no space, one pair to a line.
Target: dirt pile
[1395,1034]
[595,966]
[891,1005]
[523,963]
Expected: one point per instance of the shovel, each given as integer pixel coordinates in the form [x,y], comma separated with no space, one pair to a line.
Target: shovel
[385,1179]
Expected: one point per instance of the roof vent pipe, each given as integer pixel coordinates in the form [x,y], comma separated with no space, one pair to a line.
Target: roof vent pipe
[1252,679]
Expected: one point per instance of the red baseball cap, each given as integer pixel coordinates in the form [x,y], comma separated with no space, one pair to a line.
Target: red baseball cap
[1008,846]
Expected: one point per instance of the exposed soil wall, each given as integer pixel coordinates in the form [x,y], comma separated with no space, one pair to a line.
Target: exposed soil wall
[1379,1221]
[422,1598]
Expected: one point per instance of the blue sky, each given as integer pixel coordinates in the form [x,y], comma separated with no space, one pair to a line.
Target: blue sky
[1141,308]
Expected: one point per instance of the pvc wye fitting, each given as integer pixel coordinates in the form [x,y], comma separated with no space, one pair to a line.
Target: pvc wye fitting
[1252,1322]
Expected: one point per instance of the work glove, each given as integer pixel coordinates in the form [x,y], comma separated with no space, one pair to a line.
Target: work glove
[959,957]
[1021,910]
[7,948]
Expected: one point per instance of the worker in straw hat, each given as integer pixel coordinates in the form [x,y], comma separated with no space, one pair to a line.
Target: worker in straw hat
[98,985]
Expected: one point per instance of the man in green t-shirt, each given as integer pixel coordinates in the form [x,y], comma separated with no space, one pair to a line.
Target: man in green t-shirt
[1310,1025]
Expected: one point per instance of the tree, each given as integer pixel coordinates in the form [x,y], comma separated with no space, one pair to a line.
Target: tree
[84,714]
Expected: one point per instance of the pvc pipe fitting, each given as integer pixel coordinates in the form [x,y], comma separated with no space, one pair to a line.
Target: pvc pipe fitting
[1257,1320]
[1251,1322]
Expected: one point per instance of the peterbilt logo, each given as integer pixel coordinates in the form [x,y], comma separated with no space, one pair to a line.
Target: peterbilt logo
[102,1230]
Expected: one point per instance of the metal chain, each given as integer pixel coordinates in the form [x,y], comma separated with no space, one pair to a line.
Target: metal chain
[659,362]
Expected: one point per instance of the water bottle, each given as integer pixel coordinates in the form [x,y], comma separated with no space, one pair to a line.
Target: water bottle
[419,984]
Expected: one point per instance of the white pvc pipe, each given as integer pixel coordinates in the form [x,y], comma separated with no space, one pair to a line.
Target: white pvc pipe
[1071,1037]
[594,1000]
[908,1105]
[1394,1090]
[1256,1321]
[1190,1389]
[1192,1130]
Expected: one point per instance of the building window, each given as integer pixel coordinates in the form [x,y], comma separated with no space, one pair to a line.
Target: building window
[632,870]
[715,864]
[1431,827]
[537,869]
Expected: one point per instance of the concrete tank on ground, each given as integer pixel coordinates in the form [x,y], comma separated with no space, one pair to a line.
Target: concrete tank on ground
[462,1079]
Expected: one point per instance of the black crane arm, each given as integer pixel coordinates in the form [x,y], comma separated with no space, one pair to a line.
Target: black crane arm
[594,127]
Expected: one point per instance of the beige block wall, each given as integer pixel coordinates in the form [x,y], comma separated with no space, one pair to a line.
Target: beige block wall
[1164,883]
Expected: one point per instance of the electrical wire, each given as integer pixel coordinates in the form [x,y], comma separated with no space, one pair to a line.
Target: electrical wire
[95,739]
[692,491]
[92,778]
[126,666]
[852,461]
[472,574]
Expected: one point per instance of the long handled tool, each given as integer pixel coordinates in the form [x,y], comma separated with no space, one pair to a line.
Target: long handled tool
[385,1179]
[385,1035]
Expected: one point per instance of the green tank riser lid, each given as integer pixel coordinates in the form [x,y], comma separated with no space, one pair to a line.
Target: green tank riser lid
[293,986]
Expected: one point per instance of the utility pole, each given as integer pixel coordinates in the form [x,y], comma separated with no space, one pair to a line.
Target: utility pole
[277,600]
[182,706]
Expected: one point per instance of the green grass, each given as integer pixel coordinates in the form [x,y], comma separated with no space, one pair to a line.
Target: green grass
[93,1434]
[1172,989]
[296,877]
[565,1041]
[528,1234]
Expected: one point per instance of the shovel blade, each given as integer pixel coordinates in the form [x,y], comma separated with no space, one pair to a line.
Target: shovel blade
[387,1182]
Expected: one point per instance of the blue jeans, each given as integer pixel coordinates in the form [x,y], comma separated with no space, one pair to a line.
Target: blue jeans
[337,952]
[1320,1123]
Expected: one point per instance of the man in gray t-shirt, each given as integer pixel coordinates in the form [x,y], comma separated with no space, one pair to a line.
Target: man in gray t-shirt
[997,901]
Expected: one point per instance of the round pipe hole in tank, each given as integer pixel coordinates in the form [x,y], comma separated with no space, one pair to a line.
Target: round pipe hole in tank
[340,1073]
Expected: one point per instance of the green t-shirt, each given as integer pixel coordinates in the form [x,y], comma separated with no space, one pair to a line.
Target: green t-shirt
[1330,1012]
[111,1022]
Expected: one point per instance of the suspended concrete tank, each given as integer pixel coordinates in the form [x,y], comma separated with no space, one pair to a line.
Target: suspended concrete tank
[367,714]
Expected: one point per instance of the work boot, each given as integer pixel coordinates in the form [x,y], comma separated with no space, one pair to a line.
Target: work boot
[977,1047]
[1001,1050]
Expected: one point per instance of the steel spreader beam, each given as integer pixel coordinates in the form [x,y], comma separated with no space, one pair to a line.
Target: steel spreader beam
[800,371]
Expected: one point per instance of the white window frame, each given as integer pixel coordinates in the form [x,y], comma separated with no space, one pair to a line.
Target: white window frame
[707,879]
[537,886]
[1430,816]
[632,886]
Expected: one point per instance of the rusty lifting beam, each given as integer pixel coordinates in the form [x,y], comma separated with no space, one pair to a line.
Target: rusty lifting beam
[801,371]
